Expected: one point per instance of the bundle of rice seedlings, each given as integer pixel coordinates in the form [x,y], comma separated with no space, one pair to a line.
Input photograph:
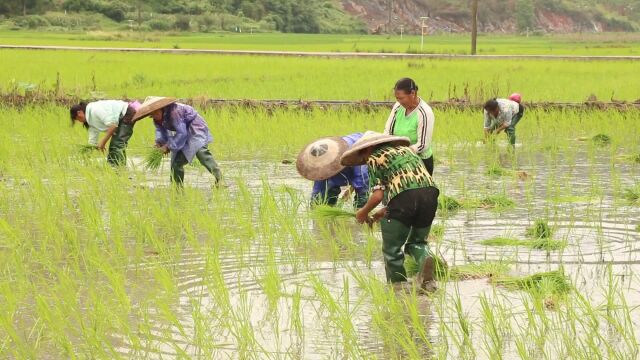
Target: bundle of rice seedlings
[632,194]
[601,139]
[497,170]
[496,202]
[538,244]
[154,159]
[330,212]
[546,284]
[481,270]
[443,272]
[540,230]
[634,158]
[448,204]
[86,149]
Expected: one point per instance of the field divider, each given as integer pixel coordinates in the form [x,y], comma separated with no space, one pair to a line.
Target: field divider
[326,54]
[15,100]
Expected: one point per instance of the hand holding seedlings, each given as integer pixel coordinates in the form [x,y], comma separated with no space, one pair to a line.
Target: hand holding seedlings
[379,215]
[362,216]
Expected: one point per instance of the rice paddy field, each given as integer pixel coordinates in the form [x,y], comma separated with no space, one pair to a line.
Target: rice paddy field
[121,74]
[623,44]
[541,242]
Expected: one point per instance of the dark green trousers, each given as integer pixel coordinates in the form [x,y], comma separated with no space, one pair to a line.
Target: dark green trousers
[395,234]
[117,155]
[206,159]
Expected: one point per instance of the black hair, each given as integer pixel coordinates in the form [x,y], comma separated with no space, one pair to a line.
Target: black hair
[407,85]
[73,111]
[491,105]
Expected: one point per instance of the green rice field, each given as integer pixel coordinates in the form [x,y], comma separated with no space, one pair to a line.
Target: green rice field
[114,74]
[623,44]
[540,242]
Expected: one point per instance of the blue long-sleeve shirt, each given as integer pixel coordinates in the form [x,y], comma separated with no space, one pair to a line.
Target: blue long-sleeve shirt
[356,176]
[190,131]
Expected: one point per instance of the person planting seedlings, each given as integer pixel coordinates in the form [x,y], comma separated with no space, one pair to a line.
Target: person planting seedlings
[114,118]
[319,161]
[181,131]
[399,179]
[413,118]
[502,115]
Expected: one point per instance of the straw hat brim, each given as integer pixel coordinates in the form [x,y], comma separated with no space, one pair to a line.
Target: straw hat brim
[152,105]
[320,159]
[352,156]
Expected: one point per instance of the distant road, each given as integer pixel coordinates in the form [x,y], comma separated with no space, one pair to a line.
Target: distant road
[323,54]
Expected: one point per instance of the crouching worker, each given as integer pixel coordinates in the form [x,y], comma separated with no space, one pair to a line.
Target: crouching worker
[399,179]
[502,114]
[114,118]
[181,131]
[319,161]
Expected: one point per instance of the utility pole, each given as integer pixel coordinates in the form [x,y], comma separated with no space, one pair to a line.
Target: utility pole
[422,27]
[474,26]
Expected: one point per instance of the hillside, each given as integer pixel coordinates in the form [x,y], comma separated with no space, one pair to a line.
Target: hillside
[326,16]
[507,16]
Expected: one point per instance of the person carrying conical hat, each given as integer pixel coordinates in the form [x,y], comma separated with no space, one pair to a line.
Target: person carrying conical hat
[399,179]
[181,131]
[319,161]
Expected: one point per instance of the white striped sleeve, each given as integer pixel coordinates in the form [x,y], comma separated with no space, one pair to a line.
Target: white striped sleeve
[426,121]
[388,128]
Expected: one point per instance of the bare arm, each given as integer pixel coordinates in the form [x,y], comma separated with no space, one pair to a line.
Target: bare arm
[375,199]
[109,133]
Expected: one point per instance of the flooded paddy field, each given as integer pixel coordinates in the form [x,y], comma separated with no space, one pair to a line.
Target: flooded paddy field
[100,263]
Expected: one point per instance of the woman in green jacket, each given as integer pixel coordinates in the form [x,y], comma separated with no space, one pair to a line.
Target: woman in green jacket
[413,118]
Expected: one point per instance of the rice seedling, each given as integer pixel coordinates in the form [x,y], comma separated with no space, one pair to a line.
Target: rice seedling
[632,194]
[548,285]
[540,230]
[85,150]
[538,244]
[448,204]
[436,233]
[154,158]
[601,139]
[498,202]
[487,269]
[330,212]
[497,170]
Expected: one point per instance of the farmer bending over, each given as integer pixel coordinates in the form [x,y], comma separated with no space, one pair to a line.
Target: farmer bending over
[189,135]
[502,114]
[399,179]
[319,161]
[114,117]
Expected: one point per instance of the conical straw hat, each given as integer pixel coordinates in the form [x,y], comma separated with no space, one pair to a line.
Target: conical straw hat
[352,156]
[320,159]
[151,104]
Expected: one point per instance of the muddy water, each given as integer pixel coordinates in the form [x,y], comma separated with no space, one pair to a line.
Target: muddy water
[599,227]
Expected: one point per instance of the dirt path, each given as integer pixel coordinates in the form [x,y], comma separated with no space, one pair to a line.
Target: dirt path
[323,54]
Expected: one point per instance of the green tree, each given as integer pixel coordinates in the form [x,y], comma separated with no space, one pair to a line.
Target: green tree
[525,15]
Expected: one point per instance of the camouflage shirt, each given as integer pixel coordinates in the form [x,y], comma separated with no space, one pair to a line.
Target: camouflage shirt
[396,169]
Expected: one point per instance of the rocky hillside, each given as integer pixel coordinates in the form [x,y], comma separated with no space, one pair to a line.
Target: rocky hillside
[506,16]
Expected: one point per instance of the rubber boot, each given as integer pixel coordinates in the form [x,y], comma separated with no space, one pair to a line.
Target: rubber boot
[394,236]
[418,248]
